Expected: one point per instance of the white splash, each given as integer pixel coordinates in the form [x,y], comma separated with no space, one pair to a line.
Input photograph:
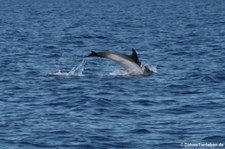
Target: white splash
[75,71]
[78,70]
[58,73]
[153,68]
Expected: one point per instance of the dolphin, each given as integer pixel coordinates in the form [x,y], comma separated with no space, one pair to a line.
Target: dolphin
[131,62]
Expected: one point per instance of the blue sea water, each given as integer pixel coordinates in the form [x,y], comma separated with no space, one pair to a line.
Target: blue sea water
[53,97]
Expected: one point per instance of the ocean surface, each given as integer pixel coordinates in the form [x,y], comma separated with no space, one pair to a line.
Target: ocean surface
[53,97]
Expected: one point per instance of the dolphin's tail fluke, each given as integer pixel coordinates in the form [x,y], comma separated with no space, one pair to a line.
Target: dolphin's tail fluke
[93,53]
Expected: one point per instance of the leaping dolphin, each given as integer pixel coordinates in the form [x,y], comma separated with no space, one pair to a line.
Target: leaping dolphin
[130,62]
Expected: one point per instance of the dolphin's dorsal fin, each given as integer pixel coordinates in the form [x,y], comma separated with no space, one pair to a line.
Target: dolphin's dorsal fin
[134,56]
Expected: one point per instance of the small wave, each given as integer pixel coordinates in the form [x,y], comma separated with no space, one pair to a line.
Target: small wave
[140,131]
[215,138]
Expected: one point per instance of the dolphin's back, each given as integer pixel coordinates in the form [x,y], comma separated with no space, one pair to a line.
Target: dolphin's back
[108,54]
